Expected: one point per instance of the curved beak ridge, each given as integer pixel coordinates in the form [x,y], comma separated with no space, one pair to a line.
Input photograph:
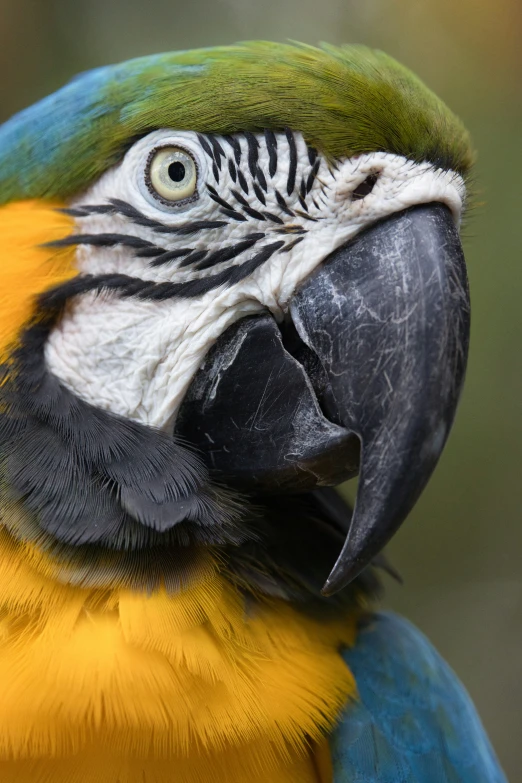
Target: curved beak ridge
[388,317]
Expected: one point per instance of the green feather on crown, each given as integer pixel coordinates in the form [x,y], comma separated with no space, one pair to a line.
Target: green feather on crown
[345,100]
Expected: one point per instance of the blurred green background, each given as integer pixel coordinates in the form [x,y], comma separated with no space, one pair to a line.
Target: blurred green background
[460,551]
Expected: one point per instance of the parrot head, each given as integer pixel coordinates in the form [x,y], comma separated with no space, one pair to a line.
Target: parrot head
[250,279]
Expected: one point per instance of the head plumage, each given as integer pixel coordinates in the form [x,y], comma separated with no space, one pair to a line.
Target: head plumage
[345,100]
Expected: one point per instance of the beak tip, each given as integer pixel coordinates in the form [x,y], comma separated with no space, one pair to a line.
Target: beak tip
[341,576]
[325,591]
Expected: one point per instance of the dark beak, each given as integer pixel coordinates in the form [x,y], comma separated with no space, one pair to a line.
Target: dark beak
[365,376]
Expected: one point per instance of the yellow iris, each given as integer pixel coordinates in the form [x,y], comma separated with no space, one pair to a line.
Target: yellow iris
[172,174]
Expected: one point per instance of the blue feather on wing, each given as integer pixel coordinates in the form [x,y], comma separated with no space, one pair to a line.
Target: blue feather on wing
[414,721]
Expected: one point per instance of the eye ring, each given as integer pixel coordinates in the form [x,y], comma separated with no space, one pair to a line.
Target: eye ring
[171,175]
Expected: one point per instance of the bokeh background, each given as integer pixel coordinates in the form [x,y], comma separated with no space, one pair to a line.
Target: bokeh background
[460,553]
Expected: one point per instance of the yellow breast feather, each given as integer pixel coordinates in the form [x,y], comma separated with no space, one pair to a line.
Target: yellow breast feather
[115,685]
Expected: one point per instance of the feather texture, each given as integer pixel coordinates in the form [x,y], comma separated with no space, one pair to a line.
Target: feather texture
[117,685]
[345,100]
[414,723]
[27,267]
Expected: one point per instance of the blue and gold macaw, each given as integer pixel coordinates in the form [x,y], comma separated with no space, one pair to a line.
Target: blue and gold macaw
[230,279]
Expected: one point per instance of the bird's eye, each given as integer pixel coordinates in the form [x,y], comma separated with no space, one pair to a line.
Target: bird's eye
[172,174]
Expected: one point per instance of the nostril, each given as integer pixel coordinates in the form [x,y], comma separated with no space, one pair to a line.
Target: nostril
[365,187]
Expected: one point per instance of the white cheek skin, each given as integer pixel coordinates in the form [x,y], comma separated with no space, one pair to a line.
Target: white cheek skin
[137,358]
[141,367]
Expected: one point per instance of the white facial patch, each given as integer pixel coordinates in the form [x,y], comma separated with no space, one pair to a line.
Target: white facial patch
[265,212]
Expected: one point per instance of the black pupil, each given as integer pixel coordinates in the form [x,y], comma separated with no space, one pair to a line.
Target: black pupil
[177,171]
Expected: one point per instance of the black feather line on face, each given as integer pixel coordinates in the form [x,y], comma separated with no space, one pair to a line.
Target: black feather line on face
[261,179]
[240,199]
[246,269]
[274,218]
[171,255]
[234,215]
[214,195]
[312,156]
[232,170]
[193,259]
[290,229]
[104,240]
[292,166]
[236,147]
[305,216]
[291,245]
[253,213]
[253,153]
[259,194]
[312,175]
[228,253]
[150,252]
[242,182]
[217,151]
[194,227]
[119,207]
[271,146]
[282,203]
[206,146]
